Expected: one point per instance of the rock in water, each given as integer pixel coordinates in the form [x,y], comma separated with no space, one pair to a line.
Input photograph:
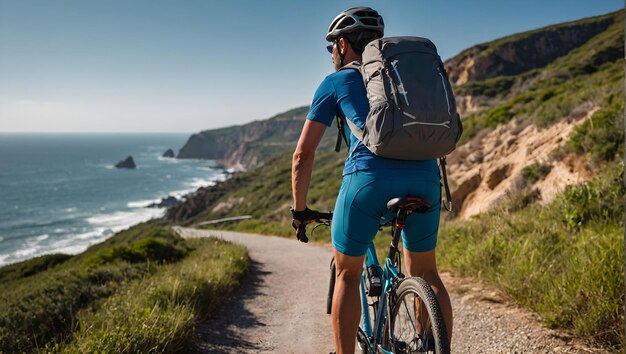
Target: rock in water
[169,153]
[128,163]
[164,203]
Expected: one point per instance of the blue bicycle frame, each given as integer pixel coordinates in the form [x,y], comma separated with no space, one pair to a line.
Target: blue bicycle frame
[389,274]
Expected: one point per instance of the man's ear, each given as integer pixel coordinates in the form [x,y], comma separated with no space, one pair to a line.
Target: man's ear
[343,46]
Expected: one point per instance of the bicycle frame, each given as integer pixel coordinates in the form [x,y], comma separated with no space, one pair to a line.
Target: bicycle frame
[389,275]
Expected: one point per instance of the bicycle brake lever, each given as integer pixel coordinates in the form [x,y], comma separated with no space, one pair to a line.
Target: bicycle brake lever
[301,232]
[318,225]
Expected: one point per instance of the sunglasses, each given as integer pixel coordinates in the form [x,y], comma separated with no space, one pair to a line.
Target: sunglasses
[329,48]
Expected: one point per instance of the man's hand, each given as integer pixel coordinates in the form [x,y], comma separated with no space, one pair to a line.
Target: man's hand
[299,221]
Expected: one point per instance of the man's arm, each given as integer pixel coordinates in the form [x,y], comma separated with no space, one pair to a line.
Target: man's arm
[302,165]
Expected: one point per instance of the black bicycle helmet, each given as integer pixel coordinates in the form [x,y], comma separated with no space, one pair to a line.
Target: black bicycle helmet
[356,19]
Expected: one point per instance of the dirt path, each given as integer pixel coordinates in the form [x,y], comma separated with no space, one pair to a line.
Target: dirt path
[281,308]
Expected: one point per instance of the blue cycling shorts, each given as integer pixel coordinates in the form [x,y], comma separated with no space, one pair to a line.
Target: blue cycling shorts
[361,207]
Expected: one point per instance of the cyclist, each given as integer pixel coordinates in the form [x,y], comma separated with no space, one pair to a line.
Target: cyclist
[369,181]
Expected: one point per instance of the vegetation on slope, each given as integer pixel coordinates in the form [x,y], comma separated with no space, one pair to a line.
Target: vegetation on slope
[159,313]
[43,307]
[564,260]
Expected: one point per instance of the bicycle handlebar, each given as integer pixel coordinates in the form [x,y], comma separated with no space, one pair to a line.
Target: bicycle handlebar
[317,217]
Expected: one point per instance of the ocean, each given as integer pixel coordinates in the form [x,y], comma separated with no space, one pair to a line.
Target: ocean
[60,193]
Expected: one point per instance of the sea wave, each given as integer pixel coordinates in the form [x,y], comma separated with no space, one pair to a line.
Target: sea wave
[201,182]
[38,224]
[142,203]
[4,259]
[168,159]
[120,220]
[32,247]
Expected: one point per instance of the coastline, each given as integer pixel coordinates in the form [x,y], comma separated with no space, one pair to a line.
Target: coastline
[103,225]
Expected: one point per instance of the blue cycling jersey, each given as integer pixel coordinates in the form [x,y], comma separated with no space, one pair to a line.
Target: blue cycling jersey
[343,93]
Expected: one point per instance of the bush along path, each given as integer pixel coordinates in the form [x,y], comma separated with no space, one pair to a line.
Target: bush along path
[280,307]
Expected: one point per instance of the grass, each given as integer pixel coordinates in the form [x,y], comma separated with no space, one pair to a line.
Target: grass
[45,300]
[160,313]
[565,261]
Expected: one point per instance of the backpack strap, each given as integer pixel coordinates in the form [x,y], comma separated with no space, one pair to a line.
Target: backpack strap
[448,202]
[356,65]
[340,133]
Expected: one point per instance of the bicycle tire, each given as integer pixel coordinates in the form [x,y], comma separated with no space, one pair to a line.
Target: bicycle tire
[409,290]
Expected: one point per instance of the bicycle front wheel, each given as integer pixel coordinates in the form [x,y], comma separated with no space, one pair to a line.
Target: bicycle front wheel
[416,324]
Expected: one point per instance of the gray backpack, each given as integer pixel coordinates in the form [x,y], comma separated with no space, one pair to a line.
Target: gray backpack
[413,112]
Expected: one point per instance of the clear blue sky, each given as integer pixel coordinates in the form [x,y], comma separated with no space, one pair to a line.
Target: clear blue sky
[185,66]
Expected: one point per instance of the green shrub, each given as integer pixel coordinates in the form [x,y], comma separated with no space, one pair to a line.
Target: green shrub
[523,199]
[31,267]
[500,115]
[602,135]
[600,201]
[534,172]
[148,249]
[490,87]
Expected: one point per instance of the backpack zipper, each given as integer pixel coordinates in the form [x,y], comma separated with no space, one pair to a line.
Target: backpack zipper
[445,124]
[399,85]
[443,82]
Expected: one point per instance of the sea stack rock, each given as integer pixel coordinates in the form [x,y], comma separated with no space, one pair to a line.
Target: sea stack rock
[128,163]
[164,203]
[169,153]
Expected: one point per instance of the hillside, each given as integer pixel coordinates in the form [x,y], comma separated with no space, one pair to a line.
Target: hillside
[246,146]
[525,119]
[537,179]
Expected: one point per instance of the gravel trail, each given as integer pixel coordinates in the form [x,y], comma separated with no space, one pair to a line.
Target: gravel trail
[281,308]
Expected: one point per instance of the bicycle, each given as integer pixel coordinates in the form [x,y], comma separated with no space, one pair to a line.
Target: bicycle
[398,314]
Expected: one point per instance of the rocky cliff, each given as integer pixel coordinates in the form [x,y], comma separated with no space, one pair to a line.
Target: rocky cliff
[246,146]
[495,63]
[519,53]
